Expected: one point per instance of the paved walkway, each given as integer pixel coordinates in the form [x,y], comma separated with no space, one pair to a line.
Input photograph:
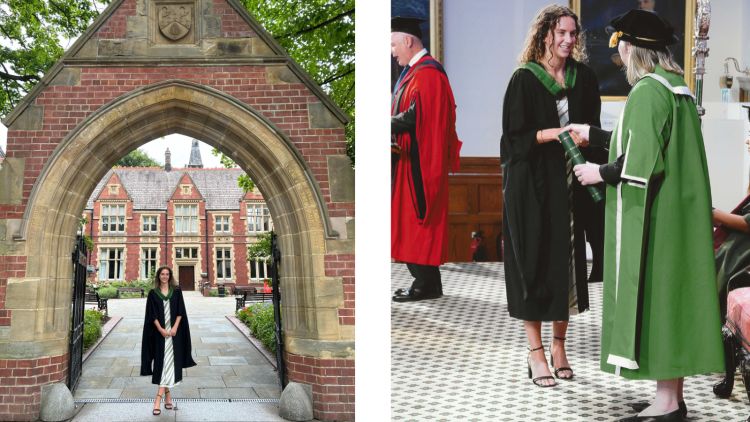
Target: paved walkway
[462,358]
[232,380]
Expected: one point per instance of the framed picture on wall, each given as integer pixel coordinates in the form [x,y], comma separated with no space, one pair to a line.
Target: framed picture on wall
[432,27]
[595,16]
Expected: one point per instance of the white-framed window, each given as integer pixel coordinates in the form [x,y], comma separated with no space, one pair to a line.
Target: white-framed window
[258,269]
[186,218]
[222,224]
[113,218]
[186,252]
[148,262]
[258,218]
[111,266]
[149,224]
[224,263]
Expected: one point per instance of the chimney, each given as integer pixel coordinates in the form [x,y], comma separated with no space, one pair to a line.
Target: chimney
[167,160]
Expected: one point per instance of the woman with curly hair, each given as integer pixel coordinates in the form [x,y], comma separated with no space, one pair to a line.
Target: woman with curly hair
[545,256]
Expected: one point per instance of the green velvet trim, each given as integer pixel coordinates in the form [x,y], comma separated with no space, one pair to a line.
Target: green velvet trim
[548,81]
[168,296]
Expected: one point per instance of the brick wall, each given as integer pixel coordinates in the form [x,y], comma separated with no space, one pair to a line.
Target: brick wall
[21,384]
[332,382]
[342,265]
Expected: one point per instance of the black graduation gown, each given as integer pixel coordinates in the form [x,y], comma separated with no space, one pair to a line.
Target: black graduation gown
[536,217]
[152,347]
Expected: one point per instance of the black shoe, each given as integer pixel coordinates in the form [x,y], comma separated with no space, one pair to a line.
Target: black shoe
[675,416]
[414,295]
[639,406]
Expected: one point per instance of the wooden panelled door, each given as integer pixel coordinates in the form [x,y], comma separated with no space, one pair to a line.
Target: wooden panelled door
[475,204]
[187,277]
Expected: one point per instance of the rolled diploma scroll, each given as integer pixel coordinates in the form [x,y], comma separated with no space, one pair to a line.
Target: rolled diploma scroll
[572,151]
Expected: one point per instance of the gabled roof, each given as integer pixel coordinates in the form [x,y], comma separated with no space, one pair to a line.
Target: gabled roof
[151,187]
[69,59]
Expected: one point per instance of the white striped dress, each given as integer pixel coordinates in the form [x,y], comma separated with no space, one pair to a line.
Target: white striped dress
[167,373]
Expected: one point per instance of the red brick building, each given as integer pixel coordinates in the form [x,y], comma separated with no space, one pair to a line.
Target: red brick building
[195,220]
[125,82]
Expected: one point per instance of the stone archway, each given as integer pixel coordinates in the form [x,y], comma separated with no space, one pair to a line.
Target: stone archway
[90,111]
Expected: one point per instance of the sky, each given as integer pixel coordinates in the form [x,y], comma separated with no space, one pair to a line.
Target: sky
[178,145]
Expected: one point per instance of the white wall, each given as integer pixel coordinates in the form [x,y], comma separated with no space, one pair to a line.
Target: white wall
[729,36]
[482,39]
[481,42]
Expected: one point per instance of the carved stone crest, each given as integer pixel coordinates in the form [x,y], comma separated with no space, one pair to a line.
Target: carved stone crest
[175,21]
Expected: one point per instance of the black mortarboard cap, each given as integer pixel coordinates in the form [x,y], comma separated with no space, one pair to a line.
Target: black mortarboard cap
[641,28]
[409,25]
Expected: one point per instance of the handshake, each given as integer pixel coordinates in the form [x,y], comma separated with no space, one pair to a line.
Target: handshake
[579,133]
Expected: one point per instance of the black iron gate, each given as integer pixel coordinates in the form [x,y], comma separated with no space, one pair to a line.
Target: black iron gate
[275,260]
[76,330]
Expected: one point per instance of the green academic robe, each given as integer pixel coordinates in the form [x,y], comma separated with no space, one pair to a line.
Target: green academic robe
[660,307]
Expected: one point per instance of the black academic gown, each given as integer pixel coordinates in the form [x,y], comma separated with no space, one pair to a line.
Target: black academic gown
[152,347]
[536,221]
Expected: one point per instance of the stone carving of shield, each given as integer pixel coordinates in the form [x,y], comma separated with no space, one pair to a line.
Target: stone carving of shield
[175,21]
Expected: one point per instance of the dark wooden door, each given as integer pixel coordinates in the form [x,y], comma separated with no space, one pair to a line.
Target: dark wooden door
[187,278]
[476,204]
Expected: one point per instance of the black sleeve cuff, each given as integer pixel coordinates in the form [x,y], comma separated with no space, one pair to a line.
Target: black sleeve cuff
[405,121]
[599,138]
[611,172]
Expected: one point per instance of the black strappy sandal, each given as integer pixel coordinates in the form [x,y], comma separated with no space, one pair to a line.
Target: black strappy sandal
[157,411]
[168,406]
[537,380]
[564,368]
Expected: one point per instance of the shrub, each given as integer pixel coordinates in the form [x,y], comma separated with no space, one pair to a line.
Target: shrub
[92,327]
[213,293]
[259,318]
[108,292]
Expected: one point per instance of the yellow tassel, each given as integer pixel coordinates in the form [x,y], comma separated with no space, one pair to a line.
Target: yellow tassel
[614,39]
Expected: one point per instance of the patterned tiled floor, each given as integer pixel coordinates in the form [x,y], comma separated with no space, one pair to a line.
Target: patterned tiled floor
[462,358]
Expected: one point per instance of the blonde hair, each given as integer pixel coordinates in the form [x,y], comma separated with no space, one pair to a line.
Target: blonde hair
[546,20]
[644,60]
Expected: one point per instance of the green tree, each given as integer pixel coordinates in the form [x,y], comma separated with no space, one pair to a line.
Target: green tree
[261,249]
[30,34]
[137,158]
[319,35]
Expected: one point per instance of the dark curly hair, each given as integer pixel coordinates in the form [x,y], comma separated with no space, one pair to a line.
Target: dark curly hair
[546,20]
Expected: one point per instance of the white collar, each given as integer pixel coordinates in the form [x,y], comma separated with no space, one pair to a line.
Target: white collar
[417,56]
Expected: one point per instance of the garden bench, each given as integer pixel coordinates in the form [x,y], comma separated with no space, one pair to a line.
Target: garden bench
[93,297]
[130,290]
[252,295]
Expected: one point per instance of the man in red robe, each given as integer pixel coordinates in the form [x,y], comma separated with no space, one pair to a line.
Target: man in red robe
[426,147]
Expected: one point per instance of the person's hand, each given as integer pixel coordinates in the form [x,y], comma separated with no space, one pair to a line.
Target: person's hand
[580,142]
[173,332]
[548,135]
[579,130]
[164,333]
[747,142]
[588,174]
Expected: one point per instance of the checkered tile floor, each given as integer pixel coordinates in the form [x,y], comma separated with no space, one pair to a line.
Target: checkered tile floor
[462,358]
